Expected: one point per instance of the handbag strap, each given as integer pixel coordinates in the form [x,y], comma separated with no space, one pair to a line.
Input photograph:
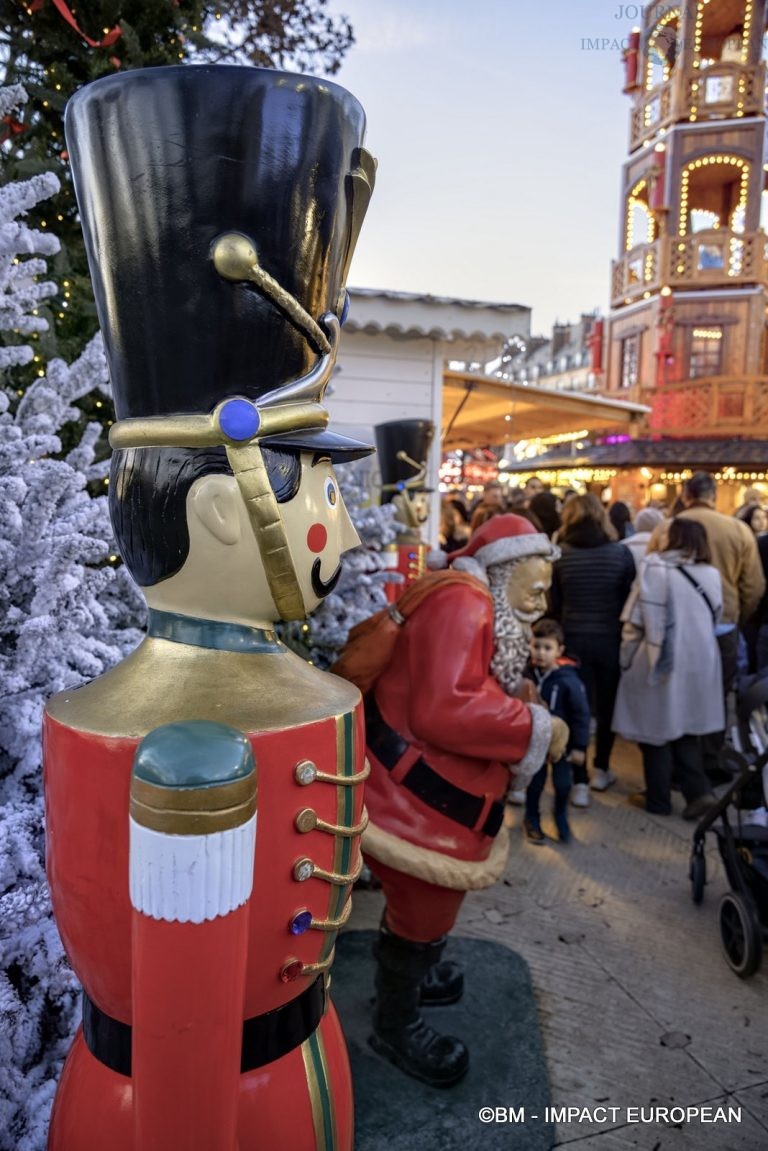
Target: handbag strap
[701,592]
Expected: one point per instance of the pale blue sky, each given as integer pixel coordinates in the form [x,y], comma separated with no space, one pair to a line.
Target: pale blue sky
[500,136]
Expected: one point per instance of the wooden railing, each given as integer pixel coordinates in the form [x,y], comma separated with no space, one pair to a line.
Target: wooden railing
[654,111]
[716,257]
[708,259]
[724,90]
[721,406]
[637,272]
[721,91]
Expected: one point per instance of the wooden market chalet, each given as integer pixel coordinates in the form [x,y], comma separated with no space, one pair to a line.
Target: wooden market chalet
[687,332]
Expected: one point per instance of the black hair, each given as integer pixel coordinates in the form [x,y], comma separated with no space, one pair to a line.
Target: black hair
[620,516]
[549,629]
[689,537]
[148,491]
[747,514]
[701,486]
[546,507]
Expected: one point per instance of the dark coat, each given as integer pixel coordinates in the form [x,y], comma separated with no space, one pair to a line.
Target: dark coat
[590,584]
[563,691]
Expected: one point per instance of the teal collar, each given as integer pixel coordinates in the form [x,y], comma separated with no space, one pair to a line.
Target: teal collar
[212,633]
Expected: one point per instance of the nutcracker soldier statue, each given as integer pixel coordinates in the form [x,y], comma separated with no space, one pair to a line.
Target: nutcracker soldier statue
[402,448]
[220,208]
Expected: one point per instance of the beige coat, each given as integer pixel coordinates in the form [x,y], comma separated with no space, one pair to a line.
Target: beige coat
[735,555]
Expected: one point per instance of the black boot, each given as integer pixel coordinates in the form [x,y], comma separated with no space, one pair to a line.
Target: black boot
[400,1034]
[444,982]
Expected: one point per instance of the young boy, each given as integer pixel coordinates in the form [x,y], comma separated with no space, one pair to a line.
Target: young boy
[562,690]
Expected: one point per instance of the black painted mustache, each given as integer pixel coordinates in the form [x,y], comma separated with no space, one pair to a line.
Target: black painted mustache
[322,587]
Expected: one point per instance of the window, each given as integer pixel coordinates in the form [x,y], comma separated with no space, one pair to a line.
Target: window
[706,352]
[630,360]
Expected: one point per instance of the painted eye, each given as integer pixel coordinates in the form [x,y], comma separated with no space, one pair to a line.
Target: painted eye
[331,493]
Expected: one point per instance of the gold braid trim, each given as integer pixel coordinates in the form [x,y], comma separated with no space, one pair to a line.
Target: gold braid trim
[250,471]
[433,866]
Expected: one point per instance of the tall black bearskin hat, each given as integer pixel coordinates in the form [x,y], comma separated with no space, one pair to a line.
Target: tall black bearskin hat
[220,208]
[403,448]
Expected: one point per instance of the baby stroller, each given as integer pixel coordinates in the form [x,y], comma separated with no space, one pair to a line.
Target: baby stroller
[739,819]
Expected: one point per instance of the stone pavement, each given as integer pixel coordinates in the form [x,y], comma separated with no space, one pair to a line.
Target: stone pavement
[636,1005]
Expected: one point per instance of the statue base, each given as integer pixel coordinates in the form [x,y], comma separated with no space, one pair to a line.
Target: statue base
[496,1018]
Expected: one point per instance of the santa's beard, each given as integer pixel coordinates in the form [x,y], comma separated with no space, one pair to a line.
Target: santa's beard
[511,635]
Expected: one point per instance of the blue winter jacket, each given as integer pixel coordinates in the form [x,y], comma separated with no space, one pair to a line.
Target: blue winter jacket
[563,691]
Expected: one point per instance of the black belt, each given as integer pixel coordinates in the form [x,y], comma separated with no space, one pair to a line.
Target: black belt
[461,806]
[265,1037]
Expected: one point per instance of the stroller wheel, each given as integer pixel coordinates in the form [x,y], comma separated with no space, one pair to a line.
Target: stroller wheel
[698,876]
[740,934]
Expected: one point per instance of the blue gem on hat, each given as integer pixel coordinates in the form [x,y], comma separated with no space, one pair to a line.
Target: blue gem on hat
[345,310]
[239,419]
[301,922]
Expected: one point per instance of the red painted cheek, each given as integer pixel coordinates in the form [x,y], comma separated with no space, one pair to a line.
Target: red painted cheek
[317,538]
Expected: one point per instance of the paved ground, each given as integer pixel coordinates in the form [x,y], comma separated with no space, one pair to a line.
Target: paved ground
[636,1004]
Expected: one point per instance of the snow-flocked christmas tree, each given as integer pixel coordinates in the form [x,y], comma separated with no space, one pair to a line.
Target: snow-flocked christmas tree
[66,615]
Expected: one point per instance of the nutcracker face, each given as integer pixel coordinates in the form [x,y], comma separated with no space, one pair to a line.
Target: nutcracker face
[224,577]
[420,502]
[319,530]
[527,588]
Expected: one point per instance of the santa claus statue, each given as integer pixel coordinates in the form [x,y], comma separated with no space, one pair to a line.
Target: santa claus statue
[447,735]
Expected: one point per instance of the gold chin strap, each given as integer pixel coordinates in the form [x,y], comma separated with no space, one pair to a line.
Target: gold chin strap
[250,471]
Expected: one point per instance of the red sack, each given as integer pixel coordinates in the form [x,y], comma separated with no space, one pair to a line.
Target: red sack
[371,645]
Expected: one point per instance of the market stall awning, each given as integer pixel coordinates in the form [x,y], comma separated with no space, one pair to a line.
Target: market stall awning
[478,411]
[726,455]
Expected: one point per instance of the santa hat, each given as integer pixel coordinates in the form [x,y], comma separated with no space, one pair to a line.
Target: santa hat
[500,540]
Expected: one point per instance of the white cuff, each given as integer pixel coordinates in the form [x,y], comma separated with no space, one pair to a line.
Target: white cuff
[191,878]
[538,746]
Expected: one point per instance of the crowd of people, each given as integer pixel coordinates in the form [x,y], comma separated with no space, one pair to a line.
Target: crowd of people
[651,617]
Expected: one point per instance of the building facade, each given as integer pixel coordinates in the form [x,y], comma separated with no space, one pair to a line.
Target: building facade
[686,332]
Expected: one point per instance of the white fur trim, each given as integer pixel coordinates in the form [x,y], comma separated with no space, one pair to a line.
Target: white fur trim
[437,560]
[433,866]
[470,565]
[191,878]
[541,733]
[516,548]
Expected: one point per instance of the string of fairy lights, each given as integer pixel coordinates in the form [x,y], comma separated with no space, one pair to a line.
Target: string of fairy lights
[718,158]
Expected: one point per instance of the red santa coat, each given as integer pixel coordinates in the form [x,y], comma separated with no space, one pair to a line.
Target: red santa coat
[438,696]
